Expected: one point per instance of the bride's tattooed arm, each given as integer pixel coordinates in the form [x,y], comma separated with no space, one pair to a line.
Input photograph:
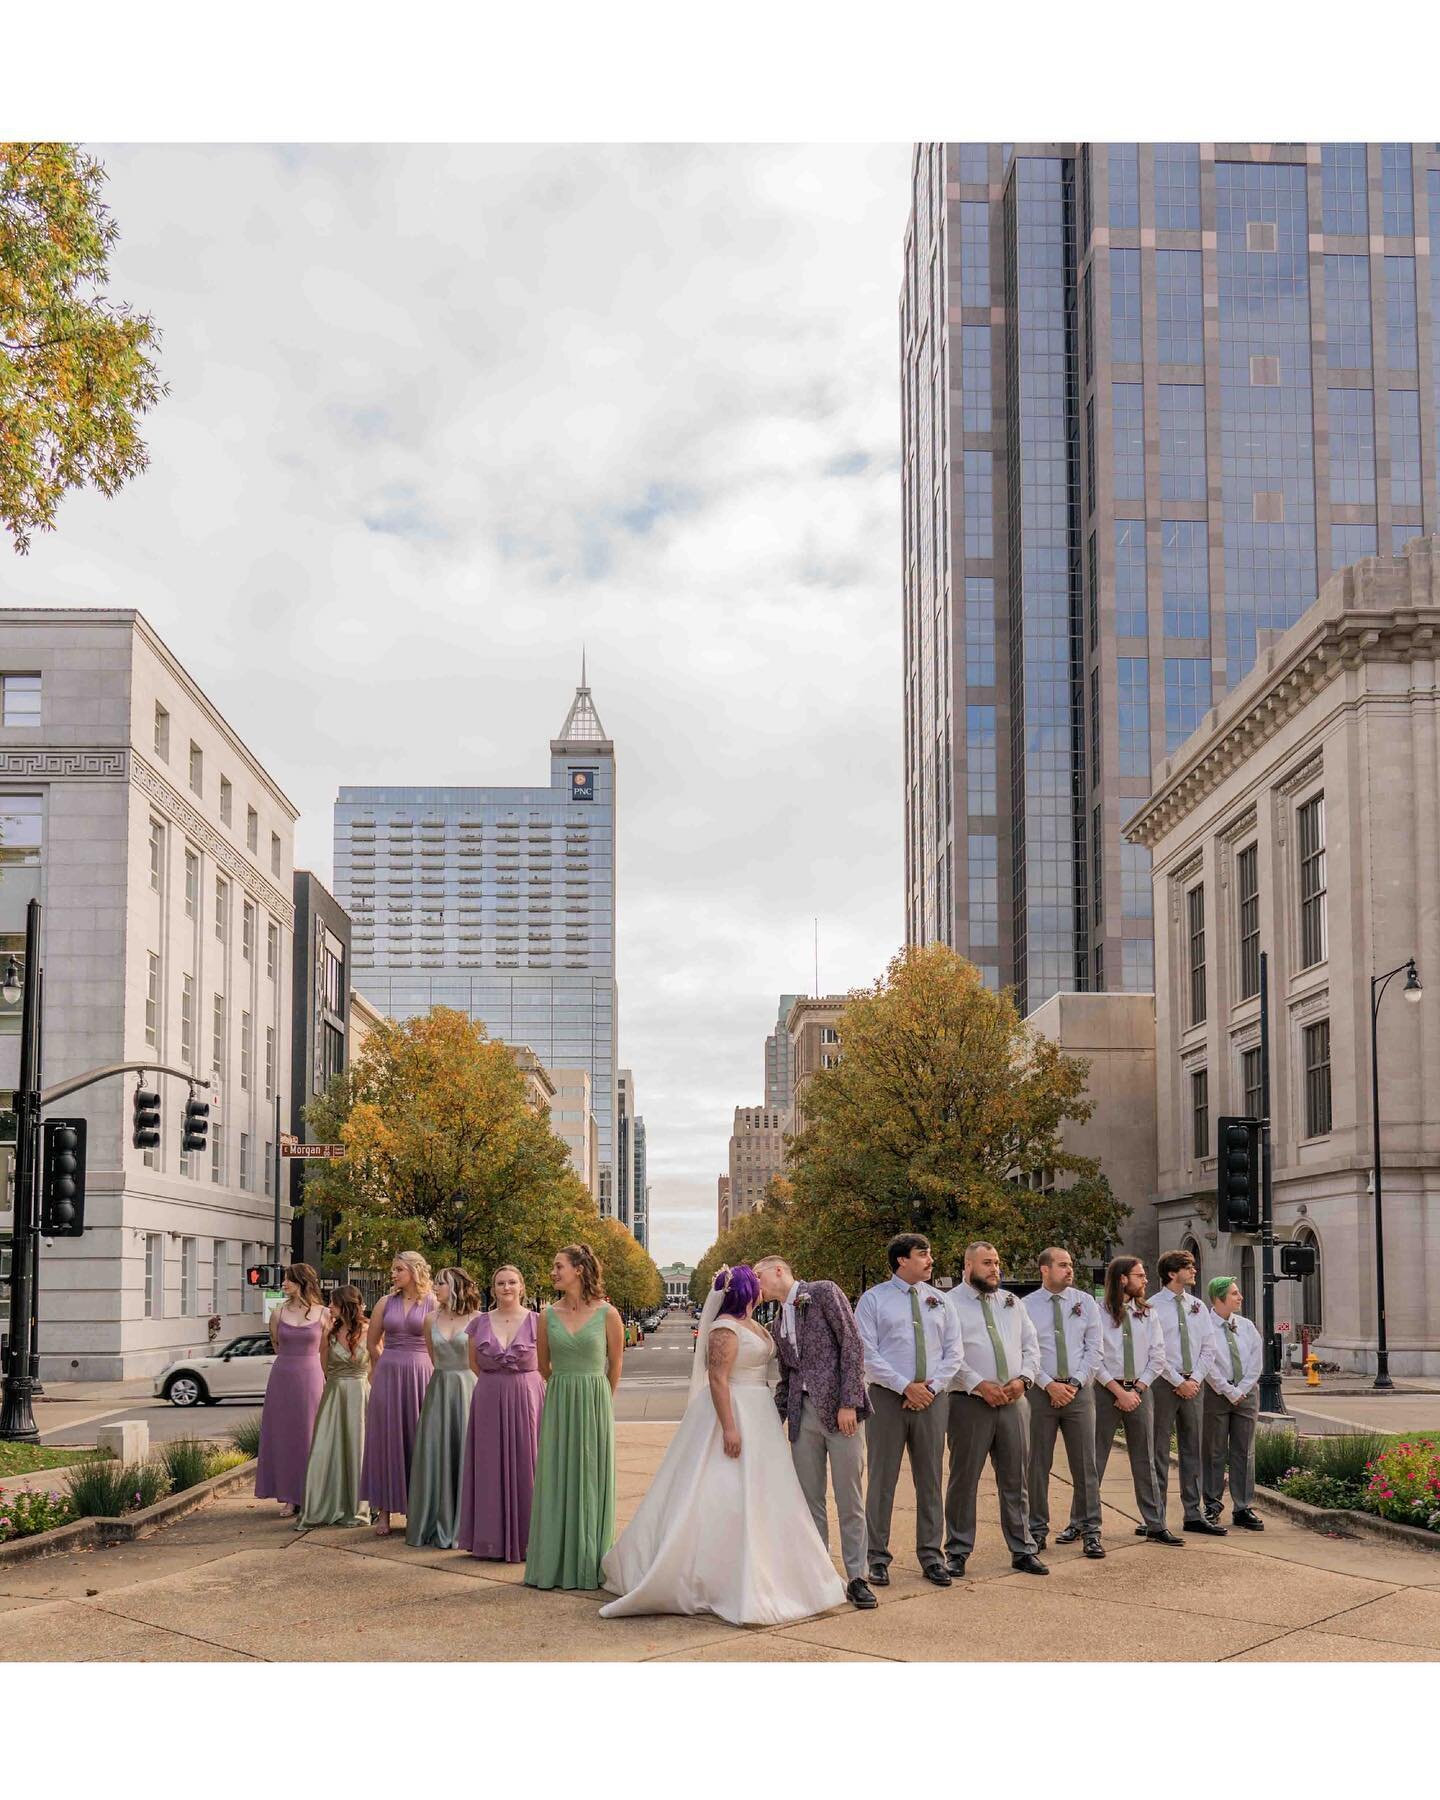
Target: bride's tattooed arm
[720,1353]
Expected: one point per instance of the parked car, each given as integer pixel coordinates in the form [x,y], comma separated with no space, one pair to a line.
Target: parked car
[238,1372]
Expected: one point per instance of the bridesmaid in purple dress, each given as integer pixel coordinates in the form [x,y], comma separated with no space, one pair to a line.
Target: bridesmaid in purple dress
[500,1447]
[397,1386]
[293,1391]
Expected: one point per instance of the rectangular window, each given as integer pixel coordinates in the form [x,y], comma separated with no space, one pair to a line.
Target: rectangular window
[1092,576]
[1347,312]
[246,1040]
[152,1001]
[979,631]
[1097,868]
[1136,892]
[1125,306]
[217,1154]
[154,1275]
[247,932]
[1310,821]
[1342,189]
[974,253]
[979,504]
[975,377]
[21,700]
[252,828]
[192,884]
[1402,341]
[227,800]
[1195,929]
[1182,442]
[222,907]
[246,1174]
[269,1062]
[197,768]
[983,874]
[1137,965]
[974,159]
[157,853]
[162,732]
[1352,446]
[217,1036]
[1405,487]
[274,853]
[220,1277]
[1317,1079]
[1127,405]
[187,1019]
[1397,190]
[1177,187]
[272,949]
[1087,314]
[1200,1113]
[1179,307]
[189,1277]
[1133,680]
[1130,599]
[269,1168]
[1185,577]
[1247,884]
[1124,161]
[980,759]
[1348,543]
[1252,1093]
[1187,697]
[1094,726]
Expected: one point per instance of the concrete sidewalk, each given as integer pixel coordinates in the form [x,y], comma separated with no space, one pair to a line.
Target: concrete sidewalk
[236,1583]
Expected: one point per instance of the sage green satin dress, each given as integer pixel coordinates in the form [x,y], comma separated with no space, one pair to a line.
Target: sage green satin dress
[572,1517]
[437,1465]
[332,1476]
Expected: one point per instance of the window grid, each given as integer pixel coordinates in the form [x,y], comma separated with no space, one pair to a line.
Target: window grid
[1401,332]
[1185,577]
[1125,306]
[1179,307]
[1405,486]
[152,1001]
[1317,1079]
[1352,446]
[1127,402]
[1124,187]
[1133,682]
[1130,596]
[1200,1113]
[187,1020]
[1252,1093]
[1347,312]
[1342,189]
[1247,871]
[979,504]
[1397,190]
[1187,697]
[1311,843]
[1177,187]
[1195,923]
[979,631]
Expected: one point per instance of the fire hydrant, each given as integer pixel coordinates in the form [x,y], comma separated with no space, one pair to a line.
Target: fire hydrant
[1312,1370]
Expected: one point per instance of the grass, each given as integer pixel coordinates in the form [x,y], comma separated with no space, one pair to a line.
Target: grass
[246,1436]
[103,1488]
[186,1460]
[25,1459]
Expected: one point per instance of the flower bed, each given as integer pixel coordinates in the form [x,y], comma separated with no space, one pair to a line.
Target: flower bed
[100,1487]
[1392,1478]
[25,1513]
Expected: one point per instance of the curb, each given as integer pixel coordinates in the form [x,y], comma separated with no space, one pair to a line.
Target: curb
[1349,1524]
[83,1534]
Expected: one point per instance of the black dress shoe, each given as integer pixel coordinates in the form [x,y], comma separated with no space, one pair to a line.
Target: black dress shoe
[1142,1530]
[1039,1537]
[1164,1537]
[879,1576]
[1247,1520]
[1094,1549]
[937,1573]
[955,1566]
[1028,1564]
[1206,1528]
[858,1594]
[1069,1535]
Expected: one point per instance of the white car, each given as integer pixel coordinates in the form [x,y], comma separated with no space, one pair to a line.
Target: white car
[238,1372]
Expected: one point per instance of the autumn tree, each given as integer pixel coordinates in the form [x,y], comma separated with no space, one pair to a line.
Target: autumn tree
[943,1114]
[445,1154]
[633,1284]
[76,368]
[768,1231]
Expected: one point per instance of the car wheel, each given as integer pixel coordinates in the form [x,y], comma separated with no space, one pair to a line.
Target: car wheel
[187,1390]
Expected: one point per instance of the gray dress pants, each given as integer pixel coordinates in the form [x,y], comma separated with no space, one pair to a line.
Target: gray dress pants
[890,1433]
[1230,1441]
[846,1457]
[977,1431]
[1138,1427]
[1076,1424]
[1187,1419]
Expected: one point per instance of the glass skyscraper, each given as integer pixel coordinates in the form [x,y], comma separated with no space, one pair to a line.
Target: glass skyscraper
[499,902]
[1152,396]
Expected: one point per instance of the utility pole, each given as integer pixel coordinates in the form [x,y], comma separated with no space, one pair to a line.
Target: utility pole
[275,1246]
[17,1416]
[1271,1399]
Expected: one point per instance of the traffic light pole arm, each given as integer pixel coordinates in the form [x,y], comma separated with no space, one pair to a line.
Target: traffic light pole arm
[76,1082]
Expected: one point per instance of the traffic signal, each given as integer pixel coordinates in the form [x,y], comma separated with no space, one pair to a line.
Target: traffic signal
[62,1178]
[265,1275]
[1237,1175]
[1297,1260]
[196,1124]
[145,1133]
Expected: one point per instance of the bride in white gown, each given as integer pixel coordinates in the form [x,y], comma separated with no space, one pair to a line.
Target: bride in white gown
[725,1528]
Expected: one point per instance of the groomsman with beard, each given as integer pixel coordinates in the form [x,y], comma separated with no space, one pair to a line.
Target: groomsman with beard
[912,1350]
[1067,1323]
[1131,1358]
[1232,1406]
[989,1410]
[1189,1351]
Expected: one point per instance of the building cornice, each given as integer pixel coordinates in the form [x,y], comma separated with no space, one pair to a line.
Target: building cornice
[106,762]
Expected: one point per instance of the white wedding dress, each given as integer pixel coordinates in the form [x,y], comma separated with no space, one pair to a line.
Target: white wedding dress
[720,1534]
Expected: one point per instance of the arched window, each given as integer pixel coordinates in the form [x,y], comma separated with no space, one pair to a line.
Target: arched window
[1190,1244]
[1247,1284]
[1312,1311]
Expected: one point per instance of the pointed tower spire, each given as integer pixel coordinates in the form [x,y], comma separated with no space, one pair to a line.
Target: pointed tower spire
[582,722]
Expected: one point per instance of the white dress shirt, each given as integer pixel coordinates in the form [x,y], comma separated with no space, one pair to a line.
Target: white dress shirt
[977,1353]
[887,1330]
[1165,1309]
[1252,1355]
[1149,1348]
[1080,1324]
[787,1314]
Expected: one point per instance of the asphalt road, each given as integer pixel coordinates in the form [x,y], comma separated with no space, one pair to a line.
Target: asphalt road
[654,1385]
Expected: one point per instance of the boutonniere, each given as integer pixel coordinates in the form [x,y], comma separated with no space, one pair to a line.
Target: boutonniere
[802,1303]
[933,1300]
[1194,1307]
[1009,1299]
[1077,1310]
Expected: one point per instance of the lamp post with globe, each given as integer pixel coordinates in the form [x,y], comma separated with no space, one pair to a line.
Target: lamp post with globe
[1412,991]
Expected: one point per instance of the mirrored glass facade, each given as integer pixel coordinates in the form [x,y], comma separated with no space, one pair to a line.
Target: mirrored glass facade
[1179,385]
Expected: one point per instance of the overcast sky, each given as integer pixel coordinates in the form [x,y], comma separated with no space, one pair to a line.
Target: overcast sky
[437,417]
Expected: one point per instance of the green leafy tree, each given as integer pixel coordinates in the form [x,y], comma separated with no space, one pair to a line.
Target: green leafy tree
[632,1282]
[943,1114]
[76,368]
[768,1231]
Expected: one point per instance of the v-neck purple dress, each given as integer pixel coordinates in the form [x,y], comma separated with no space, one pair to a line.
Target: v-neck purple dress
[287,1422]
[397,1392]
[498,1483]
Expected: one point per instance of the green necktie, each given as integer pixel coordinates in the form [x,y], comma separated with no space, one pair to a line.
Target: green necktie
[919,1335]
[1062,1352]
[1237,1373]
[1184,1336]
[1129,1346]
[1002,1368]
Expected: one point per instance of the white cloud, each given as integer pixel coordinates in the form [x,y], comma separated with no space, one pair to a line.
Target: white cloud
[439,415]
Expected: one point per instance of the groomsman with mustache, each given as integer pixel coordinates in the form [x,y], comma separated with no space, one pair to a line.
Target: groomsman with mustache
[1067,1324]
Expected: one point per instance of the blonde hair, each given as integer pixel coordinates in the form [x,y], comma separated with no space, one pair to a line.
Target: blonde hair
[524,1293]
[418,1267]
[464,1295]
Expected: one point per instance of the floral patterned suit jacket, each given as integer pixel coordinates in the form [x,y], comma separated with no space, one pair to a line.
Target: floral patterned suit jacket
[828,1363]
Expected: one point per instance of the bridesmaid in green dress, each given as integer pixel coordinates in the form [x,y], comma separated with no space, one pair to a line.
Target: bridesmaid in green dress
[437,1464]
[580,1343]
[332,1476]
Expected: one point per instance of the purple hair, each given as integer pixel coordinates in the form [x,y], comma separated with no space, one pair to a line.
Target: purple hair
[741,1288]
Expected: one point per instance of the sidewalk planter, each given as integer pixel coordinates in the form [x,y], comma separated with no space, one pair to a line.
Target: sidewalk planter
[1347,1523]
[83,1534]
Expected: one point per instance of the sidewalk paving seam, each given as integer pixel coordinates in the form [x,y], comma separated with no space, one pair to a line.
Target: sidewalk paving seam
[1320,1624]
[169,1631]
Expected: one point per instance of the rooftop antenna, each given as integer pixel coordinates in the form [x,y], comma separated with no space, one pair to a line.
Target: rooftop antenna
[583,681]
[817,959]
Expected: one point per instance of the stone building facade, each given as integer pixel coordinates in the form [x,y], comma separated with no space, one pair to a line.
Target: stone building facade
[811,1025]
[757,1155]
[1302,819]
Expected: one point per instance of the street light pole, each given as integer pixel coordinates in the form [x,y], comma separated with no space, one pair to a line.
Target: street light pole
[1413,991]
[1272,1399]
[17,1416]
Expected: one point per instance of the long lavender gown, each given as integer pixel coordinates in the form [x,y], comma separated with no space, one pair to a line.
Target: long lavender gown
[287,1422]
[397,1392]
[500,1448]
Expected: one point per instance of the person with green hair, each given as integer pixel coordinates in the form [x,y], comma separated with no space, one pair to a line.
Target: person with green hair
[1232,1406]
